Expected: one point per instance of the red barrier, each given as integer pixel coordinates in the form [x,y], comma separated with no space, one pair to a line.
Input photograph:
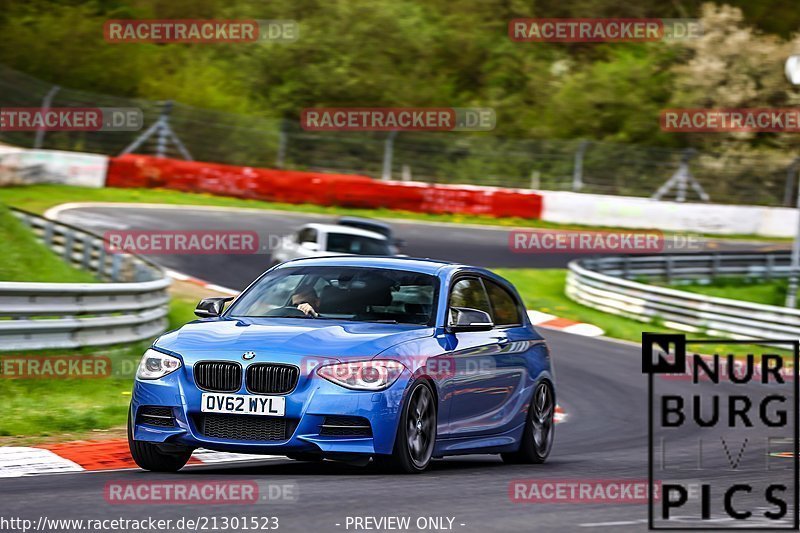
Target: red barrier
[297,187]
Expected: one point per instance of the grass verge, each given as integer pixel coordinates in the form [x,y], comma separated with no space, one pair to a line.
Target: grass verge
[772,292]
[23,258]
[71,409]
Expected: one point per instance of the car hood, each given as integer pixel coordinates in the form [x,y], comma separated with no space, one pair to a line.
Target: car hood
[285,339]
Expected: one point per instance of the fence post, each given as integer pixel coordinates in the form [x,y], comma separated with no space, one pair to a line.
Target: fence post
[388,152]
[790,179]
[577,168]
[406,174]
[681,179]
[161,144]
[536,179]
[48,99]
[165,134]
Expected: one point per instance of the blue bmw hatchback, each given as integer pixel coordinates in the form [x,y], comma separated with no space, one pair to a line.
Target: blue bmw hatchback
[395,359]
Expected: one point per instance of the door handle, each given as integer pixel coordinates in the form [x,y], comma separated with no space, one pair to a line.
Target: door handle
[501,339]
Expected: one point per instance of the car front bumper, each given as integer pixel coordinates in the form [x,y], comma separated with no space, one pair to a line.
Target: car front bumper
[306,408]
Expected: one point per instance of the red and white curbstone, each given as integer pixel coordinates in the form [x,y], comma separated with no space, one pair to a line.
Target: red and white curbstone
[545,320]
[98,456]
[197,281]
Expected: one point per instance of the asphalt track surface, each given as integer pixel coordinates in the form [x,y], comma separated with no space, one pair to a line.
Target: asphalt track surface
[600,386]
[477,245]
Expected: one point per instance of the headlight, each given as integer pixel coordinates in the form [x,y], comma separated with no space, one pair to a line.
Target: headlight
[364,375]
[156,365]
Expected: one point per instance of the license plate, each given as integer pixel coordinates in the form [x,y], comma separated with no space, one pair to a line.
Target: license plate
[244,404]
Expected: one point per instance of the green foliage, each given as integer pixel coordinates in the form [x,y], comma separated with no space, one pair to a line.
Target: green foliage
[427,53]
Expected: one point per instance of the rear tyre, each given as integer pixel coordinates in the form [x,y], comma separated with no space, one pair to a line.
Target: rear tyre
[537,439]
[149,457]
[416,434]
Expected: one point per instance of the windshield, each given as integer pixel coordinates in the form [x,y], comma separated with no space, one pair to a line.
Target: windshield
[348,293]
[356,244]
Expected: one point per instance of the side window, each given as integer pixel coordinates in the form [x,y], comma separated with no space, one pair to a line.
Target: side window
[469,292]
[307,235]
[506,310]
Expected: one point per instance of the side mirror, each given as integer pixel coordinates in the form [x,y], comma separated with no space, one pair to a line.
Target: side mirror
[310,246]
[211,307]
[467,319]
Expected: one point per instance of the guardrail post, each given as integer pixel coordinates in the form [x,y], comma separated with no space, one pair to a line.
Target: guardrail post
[770,266]
[48,234]
[69,242]
[715,265]
[87,252]
[116,267]
[101,258]
[626,267]
[668,269]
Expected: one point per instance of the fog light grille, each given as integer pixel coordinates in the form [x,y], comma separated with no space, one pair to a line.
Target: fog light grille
[155,415]
[346,426]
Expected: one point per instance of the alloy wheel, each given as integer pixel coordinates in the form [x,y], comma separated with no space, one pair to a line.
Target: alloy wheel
[542,418]
[420,426]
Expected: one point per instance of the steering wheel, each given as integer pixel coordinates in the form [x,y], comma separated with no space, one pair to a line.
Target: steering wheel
[288,311]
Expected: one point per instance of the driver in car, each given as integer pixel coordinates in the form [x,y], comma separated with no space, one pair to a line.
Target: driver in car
[306,300]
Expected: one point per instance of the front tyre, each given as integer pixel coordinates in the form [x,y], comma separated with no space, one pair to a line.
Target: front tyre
[416,434]
[149,457]
[537,439]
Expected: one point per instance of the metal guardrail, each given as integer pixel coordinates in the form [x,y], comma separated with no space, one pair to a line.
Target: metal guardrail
[702,266]
[132,307]
[602,285]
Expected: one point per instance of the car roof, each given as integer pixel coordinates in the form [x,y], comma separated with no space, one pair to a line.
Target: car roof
[344,220]
[347,230]
[412,264]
